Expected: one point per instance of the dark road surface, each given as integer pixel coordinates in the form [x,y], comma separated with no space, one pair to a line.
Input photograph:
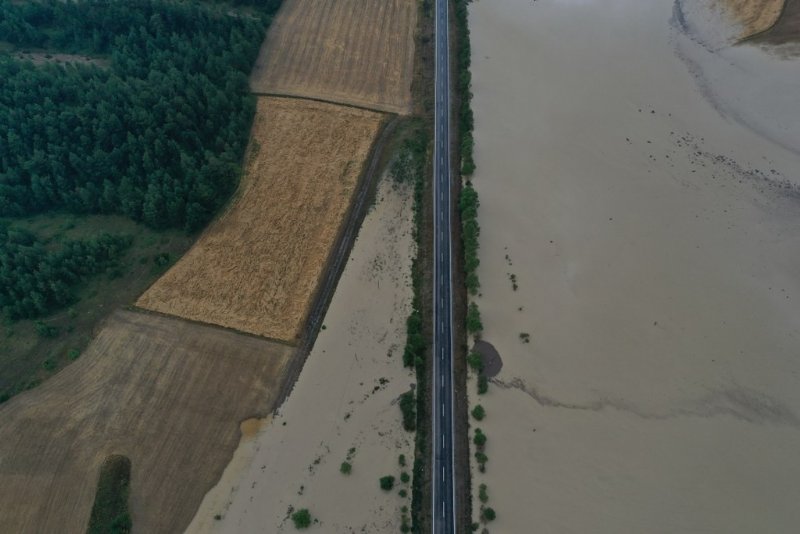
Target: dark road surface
[443,479]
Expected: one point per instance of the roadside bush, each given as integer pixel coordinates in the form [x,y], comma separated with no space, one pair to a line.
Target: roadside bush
[474,324]
[470,230]
[387,483]
[408,407]
[483,494]
[401,460]
[480,438]
[475,361]
[415,338]
[481,458]
[478,412]
[489,514]
[301,519]
[404,477]
[483,384]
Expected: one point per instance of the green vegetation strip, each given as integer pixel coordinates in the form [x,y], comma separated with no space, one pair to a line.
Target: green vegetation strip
[110,511]
[409,166]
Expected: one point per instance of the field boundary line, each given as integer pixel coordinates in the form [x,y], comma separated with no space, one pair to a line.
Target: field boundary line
[325,101]
[336,262]
[146,311]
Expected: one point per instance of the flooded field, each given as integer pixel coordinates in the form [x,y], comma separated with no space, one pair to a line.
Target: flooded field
[343,406]
[640,185]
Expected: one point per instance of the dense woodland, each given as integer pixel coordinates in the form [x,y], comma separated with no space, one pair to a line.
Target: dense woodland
[35,279]
[157,135]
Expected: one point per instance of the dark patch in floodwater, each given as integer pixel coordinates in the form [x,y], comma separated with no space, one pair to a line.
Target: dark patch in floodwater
[740,403]
[490,357]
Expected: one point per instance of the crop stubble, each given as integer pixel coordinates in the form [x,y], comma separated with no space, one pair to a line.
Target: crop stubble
[167,393]
[256,268]
[358,52]
[755,16]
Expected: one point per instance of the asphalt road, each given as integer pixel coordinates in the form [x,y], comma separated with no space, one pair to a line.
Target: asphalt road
[443,479]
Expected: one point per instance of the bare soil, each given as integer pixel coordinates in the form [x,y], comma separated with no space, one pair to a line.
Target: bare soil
[257,267]
[358,52]
[166,393]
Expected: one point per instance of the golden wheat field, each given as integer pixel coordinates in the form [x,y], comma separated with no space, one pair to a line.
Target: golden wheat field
[755,16]
[166,393]
[256,268]
[358,52]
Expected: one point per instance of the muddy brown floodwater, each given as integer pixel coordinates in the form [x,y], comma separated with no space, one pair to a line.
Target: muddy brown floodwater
[641,186]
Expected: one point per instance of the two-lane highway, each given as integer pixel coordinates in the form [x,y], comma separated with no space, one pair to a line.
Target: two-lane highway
[443,479]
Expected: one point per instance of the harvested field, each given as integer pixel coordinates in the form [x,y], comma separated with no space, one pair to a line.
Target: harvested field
[754,16]
[787,29]
[358,52]
[166,393]
[257,267]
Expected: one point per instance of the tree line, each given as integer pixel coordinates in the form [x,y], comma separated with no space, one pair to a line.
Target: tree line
[157,136]
[37,278]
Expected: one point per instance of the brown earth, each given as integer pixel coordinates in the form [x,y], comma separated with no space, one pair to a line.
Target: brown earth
[755,16]
[786,29]
[257,267]
[358,52]
[166,393]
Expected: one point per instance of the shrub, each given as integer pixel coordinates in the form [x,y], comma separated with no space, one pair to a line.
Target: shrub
[401,460]
[474,324]
[110,509]
[483,384]
[301,518]
[387,483]
[480,438]
[408,407]
[475,361]
[489,514]
[45,330]
[483,494]
[403,493]
[404,477]
[478,412]
[345,468]
[73,354]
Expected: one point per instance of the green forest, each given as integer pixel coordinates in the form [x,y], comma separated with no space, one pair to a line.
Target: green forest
[155,133]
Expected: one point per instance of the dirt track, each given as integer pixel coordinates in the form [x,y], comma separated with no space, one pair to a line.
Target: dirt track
[166,393]
[256,268]
[358,52]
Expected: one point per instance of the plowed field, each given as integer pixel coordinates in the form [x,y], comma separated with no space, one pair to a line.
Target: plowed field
[168,394]
[256,268]
[358,52]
